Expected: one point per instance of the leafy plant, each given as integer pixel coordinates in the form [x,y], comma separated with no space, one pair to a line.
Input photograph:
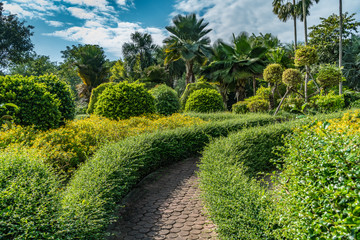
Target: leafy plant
[240,107]
[204,100]
[166,100]
[125,100]
[329,75]
[95,93]
[330,102]
[305,56]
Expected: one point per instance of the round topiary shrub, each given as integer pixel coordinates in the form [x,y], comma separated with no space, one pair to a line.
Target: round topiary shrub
[190,88]
[124,100]
[329,75]
[166,99]
[204,100]
[240,107]
[62,92]
[291,77]
[305,56]
[95,93]
[273,73]
[37,106]
[29,196]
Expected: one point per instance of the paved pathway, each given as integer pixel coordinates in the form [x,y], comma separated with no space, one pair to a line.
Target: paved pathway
[165,205]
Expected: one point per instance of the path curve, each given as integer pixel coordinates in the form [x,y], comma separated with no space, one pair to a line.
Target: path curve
[165,205]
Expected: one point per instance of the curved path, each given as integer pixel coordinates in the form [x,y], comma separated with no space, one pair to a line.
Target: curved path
[165,205]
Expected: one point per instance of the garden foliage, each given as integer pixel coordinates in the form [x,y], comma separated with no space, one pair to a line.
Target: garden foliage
[166,99]
[95,93]
[204,100]
[190,88]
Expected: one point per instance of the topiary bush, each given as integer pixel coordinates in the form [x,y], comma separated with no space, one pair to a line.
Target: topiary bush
[204,100]
[273,73]
[166,99]
[29,196]
[291,77]
[62,92]
[95,93]
[305,56]
[240,107]
[329,76]
[190,88]
[125,100]
[255,104]
[37,106]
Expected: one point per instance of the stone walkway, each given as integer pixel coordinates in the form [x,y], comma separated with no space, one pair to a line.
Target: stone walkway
[165,205]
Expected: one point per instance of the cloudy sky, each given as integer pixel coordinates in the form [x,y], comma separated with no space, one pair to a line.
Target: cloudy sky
[109,23]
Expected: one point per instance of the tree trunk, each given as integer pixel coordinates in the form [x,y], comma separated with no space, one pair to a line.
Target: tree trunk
[288,90]
[189,73]
[240,90]
[340,43]
[295,28]
[305,22]
[254,85]
[272,97]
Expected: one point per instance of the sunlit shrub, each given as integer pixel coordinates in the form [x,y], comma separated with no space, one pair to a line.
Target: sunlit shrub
[166,99]
[95,93]
[204,100]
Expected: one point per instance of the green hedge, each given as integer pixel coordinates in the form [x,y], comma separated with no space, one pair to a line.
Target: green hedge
[166,99]
[95,93]
[204,101]
[239,205]
[29,195]
[93,193]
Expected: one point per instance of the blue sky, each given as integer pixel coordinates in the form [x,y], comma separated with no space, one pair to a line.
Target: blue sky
[109,23]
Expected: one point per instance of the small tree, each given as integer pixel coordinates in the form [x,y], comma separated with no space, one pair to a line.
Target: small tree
[272,75]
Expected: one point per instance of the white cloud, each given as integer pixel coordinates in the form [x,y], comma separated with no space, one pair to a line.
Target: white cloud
[121,2]
[110,38]
[17,9]
[254,16]
[55,23]
[101,4]
[81,13]
[32,9]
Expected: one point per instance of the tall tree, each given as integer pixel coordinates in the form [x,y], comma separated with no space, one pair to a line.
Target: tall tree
[91,66]
[285,11]
[36,65]
[188,41]
[15,42]
[340,42]
[141,48]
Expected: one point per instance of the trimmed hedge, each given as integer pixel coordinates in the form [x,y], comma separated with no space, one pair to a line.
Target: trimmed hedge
[95,93]
[166,99]
[204,100]
[90,200]
[29,196]
[240,206]
[190,88]
[37,106]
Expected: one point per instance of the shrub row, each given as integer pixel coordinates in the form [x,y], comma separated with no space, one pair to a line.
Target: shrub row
[93,193]
[238,204]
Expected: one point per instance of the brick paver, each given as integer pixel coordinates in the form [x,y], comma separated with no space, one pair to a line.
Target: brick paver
[165,205]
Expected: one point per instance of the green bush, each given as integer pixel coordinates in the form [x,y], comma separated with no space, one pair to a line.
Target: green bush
[204,100]
[305,56]
[240,107]
[350,96]
[291,77]
[256,104]
[221,116]
[29,195]
[355,104]
[95,93]
[90,200]
[166,99]
[273,73]
[125,100]
[37,106]
[330,102]
[319,190]
[62,91]
[329,76]
[190,88]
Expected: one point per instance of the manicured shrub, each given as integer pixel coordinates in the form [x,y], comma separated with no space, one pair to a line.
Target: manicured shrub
[319,191]
[125,100]
[305,56]
[273,73]
[29,196]
[37,106]
[293,104]
[329,76]
[166,100]
[204,100]
[62,91]
[190,88]
[95,93]
[256,104]
[291,77]
[90,200]
[331,102]
[221,116]
[240,107]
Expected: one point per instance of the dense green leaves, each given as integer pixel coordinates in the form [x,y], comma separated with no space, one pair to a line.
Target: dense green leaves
[204,100]
[166,99]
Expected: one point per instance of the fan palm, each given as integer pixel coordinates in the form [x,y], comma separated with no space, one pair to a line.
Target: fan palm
[188,42]
[142,48]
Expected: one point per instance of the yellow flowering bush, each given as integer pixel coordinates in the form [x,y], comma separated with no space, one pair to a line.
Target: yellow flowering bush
[66,147]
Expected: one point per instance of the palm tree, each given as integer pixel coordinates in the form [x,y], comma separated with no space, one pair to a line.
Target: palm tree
[243,61]
[340,41]
[286,11]
[142,48]
[91,67]
[188,42]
